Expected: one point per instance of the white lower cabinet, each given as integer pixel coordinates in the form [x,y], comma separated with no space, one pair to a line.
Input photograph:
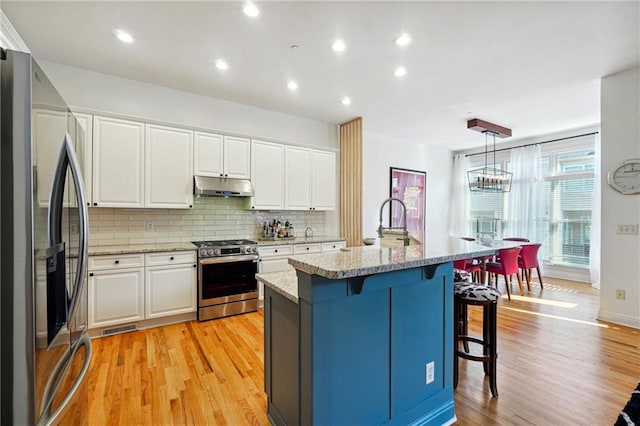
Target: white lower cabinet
[123,290]
[170,290]
[275,258]
[116,296]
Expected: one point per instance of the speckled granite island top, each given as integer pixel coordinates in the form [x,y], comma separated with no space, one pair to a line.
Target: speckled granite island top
[358,261]
[285,283]
[140,248]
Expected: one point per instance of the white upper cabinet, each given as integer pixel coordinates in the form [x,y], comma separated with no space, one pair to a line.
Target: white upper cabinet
[267,171]
[168,167]
[323,180]
[222,156]
[49,127]
[310,179]
[237,157]
[208,154]
[297,184]
[118,163]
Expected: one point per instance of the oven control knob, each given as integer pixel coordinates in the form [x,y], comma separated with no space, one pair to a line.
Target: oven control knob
[253,250]
[216,252]
[210,252]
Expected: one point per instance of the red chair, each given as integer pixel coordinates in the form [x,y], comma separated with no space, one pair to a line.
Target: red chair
[467,265]
[528,260]
[507,266]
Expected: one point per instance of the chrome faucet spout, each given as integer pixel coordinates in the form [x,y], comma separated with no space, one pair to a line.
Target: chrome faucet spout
[405,233]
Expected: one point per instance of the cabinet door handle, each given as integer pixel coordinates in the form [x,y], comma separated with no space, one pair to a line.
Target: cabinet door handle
[220,174]
[171,258]
[95,204]
[275,251]
[195,266]
[307,248]
[190,206]
[117,261]
[90,274]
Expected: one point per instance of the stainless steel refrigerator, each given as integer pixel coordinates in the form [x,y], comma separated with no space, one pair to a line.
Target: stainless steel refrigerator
[45,350]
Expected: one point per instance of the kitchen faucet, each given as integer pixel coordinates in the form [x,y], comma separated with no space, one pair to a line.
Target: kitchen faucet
[405,234]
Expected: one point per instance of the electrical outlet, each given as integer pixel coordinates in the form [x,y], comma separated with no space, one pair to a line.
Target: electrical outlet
[620,294]
[73,228]
[430,373]
[627,229]
[150,226]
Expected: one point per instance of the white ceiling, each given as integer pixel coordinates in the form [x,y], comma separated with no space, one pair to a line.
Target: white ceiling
[532,66]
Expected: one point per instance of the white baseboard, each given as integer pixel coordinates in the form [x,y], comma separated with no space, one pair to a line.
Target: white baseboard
[628,321]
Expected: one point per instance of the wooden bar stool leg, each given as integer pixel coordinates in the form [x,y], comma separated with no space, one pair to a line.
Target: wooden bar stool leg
[486,330]
[491,324]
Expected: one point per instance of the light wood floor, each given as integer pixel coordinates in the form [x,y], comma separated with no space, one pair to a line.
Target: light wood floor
[557,366]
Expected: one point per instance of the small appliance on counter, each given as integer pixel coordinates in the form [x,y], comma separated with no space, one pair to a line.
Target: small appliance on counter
[226,278]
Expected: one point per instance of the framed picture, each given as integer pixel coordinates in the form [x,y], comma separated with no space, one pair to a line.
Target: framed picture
[408,186]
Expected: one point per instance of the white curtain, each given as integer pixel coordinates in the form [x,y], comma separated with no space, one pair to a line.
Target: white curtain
[594,238]
[524,198]
[459,206]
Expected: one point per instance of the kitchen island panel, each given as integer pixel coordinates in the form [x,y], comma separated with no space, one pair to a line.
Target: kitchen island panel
[362,344]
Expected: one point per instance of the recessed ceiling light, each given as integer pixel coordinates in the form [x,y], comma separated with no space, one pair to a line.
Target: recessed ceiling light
[222,65]
[251,10]
[403,39]
[123,36]
[346,100]
[338,46]
[400,72]
[292,85]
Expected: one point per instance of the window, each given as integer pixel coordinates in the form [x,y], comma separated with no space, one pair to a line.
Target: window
[565,202]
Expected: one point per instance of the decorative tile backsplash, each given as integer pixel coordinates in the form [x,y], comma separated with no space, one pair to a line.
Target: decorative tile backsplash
[210,218]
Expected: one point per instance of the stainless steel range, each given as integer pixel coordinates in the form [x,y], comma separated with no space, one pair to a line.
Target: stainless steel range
[226,278]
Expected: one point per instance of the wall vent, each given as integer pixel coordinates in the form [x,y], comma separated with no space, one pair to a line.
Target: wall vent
[117,330]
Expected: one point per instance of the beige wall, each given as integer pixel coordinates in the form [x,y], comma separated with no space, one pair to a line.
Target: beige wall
[620,254]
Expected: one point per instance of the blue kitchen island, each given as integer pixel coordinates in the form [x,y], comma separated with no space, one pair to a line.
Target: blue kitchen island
[363,336]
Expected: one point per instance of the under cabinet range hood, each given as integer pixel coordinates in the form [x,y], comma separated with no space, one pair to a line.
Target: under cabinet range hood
[205,186]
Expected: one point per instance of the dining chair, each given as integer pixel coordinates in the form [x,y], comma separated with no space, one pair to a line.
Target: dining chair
[528,260]
[506,266]
[468,265]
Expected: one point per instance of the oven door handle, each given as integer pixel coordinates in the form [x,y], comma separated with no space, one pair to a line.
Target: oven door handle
[228,259]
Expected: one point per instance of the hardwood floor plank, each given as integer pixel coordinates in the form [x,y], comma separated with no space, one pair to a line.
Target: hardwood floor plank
[557,365]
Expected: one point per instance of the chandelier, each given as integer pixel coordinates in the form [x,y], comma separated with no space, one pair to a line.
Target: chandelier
[489,179]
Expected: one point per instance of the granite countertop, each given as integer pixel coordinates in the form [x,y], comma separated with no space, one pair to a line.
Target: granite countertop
[285,283]
[358,261]
[299,240]
[140,248]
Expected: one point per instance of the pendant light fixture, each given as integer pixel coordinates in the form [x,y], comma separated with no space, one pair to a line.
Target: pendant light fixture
[489,179]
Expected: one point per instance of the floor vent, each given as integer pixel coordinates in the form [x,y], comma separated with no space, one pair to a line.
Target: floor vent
[124,329]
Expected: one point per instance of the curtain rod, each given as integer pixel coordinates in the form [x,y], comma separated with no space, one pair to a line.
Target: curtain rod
[537,143]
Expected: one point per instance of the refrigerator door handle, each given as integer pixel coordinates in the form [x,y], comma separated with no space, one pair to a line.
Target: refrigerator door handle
[55,379]
[68,157]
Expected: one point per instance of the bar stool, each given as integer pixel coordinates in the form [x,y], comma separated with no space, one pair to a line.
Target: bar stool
[465,294]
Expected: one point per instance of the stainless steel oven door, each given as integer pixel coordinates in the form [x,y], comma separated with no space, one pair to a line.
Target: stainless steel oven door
[227,279]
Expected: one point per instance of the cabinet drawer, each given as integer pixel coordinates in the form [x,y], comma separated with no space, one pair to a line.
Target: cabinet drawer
[272,251]
[333,246]
[120,261]
[273,265]
[307,248]
[170,258]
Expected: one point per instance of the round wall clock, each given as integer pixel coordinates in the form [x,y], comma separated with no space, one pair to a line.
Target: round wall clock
[624,177]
